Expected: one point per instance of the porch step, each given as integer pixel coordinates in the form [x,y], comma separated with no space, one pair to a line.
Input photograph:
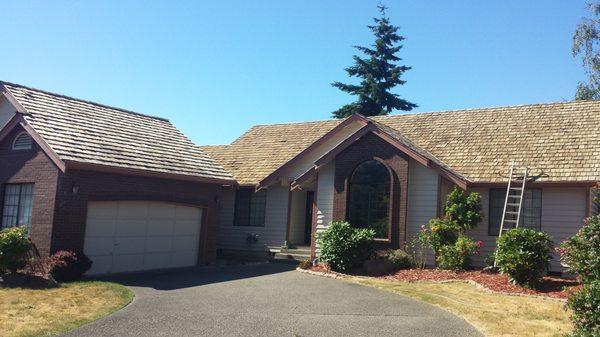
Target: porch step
[292,254]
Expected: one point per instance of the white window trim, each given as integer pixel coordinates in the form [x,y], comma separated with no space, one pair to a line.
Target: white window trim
[24,133]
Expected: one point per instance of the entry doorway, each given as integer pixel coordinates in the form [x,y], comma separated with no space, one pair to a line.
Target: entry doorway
[310,197]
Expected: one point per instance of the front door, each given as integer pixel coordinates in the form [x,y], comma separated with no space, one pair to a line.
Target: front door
[310,196]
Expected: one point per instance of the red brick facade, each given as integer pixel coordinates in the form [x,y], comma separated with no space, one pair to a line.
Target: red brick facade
[59,215]
[367,148]
[31,166]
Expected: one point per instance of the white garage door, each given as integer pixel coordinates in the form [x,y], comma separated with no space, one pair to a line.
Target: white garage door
[122,236]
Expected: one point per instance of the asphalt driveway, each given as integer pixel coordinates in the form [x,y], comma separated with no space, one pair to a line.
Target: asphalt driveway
[267,300]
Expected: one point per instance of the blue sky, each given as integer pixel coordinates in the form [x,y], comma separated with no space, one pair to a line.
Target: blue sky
[216,68]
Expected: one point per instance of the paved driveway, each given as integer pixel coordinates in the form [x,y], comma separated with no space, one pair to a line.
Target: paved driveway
[267,300]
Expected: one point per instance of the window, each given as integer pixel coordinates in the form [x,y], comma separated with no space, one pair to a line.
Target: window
[369,197]
[595,201]
[250,207]
[531,209]
[22,141]
[18,202]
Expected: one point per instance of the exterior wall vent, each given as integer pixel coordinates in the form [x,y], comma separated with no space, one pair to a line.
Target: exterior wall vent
[23,141]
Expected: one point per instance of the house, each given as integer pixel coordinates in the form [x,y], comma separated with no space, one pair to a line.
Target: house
[129,190]
[392,174]
[133,193]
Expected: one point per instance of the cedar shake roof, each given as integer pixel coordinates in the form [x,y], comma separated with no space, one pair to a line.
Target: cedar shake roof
[91,133]
[562,140]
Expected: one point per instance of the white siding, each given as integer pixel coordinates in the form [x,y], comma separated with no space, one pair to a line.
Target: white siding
[325,191]
[7,110]
[297,217]
[422,199]
[271,235]
[563,211]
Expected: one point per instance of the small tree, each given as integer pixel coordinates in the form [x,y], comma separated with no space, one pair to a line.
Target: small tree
[378,73]
[446,236]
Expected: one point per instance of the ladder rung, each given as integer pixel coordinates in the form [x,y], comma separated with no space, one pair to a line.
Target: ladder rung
[511,221]
[516,188]
[514,196]
[512,204]
[508,212]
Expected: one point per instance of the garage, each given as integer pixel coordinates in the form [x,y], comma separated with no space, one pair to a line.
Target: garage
[126,236]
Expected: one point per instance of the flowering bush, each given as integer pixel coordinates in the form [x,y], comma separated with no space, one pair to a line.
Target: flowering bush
[524,254]
[446,236]
[585,305]
[343,246]
[14,246]
[581,252]
[65,266]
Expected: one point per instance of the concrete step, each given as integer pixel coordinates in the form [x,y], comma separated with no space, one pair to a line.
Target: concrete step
[291,256]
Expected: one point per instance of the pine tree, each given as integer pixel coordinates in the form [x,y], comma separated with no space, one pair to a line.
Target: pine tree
[378,72]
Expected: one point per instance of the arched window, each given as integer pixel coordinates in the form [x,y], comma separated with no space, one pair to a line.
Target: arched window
[369,198]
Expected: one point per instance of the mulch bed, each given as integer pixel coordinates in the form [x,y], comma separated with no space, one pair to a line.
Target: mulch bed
[21,280]
[554,287]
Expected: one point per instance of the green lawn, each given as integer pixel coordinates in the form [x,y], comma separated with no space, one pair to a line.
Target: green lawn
[46,312]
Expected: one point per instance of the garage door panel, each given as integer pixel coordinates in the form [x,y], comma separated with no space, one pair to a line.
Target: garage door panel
[124,236]
[101,264]
[131,227]
[160,226]
[133,209]
[184,259]
[185,227]
[184,243]
[130,245]
[159,244]
[99,246]
[187,213]
[158,210]
[157,260]
[101,227]
[129,262]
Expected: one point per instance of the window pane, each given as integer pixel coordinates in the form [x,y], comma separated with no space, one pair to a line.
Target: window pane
[250,207]
[369,196]
[531,210]
[17,206]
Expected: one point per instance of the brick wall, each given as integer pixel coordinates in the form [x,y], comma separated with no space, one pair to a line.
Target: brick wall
[367,148]
[31,166]
[71,209]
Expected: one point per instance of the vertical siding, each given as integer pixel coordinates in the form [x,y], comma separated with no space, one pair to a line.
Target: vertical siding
[325,197]
[422,199]
[297,217]
[271,235]
[7,110]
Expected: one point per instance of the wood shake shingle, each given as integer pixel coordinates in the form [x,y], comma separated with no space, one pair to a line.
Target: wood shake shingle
[560,140]
[86,132]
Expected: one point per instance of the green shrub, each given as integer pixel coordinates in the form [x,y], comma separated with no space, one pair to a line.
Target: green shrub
[458,255]
[343,246]
[399,258]
[524,254]
[442,232]
[585,305]
[581,252]
[14,248]
[463,209]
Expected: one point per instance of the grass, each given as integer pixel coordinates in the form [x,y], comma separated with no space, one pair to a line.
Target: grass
[46,312]
[492,313]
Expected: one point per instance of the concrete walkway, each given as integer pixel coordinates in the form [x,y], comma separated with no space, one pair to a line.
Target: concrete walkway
[267,300]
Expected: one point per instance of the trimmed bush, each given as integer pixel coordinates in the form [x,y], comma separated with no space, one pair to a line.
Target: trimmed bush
[581,252]
[399,258]
[524,255]
[463,209]
[66,266]
[458,255]
[585,305]
[14,248]
[343,246]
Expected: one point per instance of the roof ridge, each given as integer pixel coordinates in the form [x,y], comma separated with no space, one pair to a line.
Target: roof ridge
[83,101]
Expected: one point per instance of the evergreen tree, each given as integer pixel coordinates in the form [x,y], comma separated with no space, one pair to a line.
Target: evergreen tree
[378,72]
